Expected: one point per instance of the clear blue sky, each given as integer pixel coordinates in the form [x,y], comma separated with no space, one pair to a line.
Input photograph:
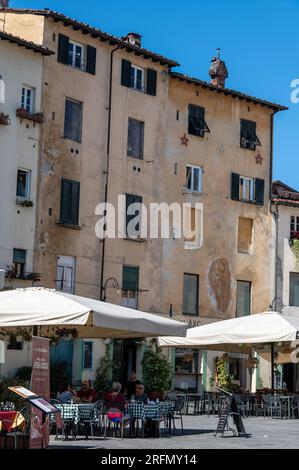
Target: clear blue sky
[259,41]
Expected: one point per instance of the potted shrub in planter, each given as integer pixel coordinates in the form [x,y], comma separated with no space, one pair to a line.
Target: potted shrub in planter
[157,372]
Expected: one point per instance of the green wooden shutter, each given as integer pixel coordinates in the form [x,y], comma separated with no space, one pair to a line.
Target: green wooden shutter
[131,199]
[65,200]
[235,187]
[259,191]
[75,203]
[91,60]
[151,84]
[126,73]
[63,46]
[130,278]
[69,202]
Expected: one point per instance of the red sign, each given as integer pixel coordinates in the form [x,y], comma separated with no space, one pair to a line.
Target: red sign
[40,383]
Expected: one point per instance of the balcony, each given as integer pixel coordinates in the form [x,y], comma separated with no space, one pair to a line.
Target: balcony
[20,201]
[5,119]
[11,273]
[35,117]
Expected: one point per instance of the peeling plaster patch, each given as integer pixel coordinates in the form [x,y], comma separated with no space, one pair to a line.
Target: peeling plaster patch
[48,169]
[53,152]
[219,285]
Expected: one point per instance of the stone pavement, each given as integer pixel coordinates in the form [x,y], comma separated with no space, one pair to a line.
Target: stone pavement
[265,433]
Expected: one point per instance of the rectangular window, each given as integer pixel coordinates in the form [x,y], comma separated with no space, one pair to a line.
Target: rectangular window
[246,189]
[14,345]
[243,298]
[249,139]
[19,261]
[69,202]
[66,269]
[133,215]
[133,76]
[196,122]
[137,78]
[294,226]
[244,235]
[294,289]
[190,294]
[73,120]
[194,178]
[87,355]
[23,184]
[76,55]
[130,286]
[135,138]
[27,100]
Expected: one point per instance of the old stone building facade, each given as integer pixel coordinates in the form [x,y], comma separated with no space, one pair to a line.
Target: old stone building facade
[119,121]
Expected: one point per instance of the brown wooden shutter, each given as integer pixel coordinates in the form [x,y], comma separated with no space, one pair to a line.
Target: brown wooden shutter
[126,73]
[63,46]
[91,60]
[151,83]
[235,187]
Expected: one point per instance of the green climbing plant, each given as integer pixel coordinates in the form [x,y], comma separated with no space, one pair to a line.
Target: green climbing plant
[224,380]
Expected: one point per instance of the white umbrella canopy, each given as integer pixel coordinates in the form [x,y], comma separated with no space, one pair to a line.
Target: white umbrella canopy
[239,334]
[47,307]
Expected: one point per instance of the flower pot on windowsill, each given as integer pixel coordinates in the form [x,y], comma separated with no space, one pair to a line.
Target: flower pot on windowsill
[35,117]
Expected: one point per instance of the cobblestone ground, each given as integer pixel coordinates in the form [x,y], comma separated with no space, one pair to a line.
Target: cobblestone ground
[198,434]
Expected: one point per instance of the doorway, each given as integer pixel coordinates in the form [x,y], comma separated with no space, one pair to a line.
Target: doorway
[124,355]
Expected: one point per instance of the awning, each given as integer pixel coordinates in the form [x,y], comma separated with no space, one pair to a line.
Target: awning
[239,334]
[46,307]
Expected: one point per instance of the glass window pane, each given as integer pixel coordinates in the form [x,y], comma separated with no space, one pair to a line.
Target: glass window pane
[294,289]
[190,294]
[189,177]
[243,298]
[87,355]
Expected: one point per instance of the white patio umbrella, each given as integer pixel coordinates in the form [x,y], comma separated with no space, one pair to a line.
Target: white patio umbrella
[240,334]
[46,307]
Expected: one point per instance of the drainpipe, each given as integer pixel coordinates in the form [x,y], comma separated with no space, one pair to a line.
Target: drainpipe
[273,212]
[102,294]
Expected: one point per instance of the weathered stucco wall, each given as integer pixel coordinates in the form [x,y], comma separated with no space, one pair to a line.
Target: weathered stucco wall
[19,148]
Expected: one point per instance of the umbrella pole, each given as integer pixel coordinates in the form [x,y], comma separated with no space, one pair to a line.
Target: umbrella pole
[272,368]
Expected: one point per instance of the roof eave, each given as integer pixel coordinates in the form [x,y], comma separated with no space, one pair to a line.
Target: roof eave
[226,91]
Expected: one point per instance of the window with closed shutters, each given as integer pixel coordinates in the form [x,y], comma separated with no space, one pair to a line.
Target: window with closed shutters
[69,202]
[243,298]
[135,138]
[190,294]
[294,289]
[73,120]
[133,215]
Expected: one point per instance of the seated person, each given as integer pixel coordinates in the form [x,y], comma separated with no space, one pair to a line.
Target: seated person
[140,396]
[66,394]
[87,394]
[115,399]
[131,384]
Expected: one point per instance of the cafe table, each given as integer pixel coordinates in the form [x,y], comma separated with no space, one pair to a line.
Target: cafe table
[287,401]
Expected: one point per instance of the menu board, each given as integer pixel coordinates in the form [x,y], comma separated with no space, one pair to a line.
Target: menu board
[23,392]
[43,405]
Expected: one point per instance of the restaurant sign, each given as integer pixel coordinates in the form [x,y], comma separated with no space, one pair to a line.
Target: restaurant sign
[40,383]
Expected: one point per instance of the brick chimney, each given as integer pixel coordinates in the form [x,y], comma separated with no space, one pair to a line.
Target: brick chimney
[133,38]
[218,71]
[4,3]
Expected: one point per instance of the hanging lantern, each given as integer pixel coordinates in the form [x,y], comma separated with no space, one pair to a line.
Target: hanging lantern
[2,90]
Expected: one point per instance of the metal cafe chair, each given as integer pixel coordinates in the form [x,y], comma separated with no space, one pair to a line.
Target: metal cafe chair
[16,433]
[90,417]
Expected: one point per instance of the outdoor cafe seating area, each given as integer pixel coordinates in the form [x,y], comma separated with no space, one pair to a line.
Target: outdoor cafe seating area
[152,419]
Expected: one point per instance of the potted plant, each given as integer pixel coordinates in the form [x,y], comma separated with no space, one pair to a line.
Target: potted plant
[104,372]
[157,371]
